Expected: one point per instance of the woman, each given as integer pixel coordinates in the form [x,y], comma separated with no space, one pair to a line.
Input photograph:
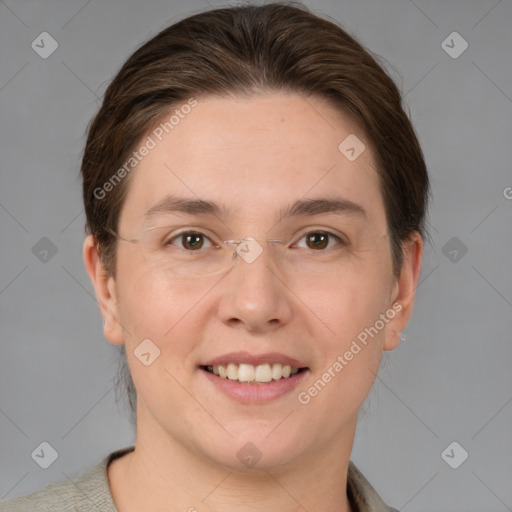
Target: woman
[255,199]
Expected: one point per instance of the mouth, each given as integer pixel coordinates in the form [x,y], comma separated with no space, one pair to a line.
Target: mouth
[244,373]
[254,378]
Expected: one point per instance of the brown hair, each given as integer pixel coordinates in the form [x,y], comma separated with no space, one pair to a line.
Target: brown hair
[245,50]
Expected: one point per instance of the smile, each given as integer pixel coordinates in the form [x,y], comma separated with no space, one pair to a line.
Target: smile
[253,374]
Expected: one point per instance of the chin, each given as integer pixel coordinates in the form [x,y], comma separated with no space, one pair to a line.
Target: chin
[258,448]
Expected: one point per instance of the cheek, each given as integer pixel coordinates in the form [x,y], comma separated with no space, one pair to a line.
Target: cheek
[151,306]
[148,298]
[153,309]
[350,310]
[347,303]
[350,352]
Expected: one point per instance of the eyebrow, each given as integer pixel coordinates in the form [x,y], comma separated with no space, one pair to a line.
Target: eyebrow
[300,208]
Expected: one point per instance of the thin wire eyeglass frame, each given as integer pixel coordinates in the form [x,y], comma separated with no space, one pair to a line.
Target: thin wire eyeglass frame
[235,252]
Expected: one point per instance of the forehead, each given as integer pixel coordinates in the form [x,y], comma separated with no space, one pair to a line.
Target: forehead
[255,156]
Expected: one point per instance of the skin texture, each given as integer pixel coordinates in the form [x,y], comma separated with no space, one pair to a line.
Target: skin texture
[254,155]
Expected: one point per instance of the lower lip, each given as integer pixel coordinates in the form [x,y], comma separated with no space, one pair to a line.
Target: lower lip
[255,393]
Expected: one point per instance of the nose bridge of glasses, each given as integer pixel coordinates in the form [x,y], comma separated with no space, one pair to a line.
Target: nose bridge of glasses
[250,248]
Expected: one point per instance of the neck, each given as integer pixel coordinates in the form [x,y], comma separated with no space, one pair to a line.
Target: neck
[163,475]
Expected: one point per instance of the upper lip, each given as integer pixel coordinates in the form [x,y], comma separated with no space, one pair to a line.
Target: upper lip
[254,359]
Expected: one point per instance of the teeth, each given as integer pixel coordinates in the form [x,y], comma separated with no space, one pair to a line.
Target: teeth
[277,371]
[263,373]
[232,371]
[245,373]
[253,374]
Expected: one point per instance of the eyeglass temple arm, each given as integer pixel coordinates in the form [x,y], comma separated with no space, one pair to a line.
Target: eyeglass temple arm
[118,236]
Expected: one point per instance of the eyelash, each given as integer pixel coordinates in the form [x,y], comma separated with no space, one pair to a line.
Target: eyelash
[340,240]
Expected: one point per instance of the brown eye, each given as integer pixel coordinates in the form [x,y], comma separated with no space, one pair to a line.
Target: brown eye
[193,241]
[319,240]
[190,240]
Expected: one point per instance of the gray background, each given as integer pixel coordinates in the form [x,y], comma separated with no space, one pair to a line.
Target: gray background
[450,379]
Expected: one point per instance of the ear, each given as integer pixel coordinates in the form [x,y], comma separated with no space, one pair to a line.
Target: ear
[404,290]
[105,288]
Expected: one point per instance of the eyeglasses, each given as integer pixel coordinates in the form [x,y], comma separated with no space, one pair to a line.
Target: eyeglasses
[200,256]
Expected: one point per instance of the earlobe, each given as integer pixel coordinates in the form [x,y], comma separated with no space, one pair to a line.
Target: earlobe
[105,288]
[404,290]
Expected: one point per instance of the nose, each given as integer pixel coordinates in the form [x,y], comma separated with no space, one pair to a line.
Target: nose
[254,295]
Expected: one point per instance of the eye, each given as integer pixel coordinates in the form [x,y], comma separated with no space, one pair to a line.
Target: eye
[190,240]
[318,240]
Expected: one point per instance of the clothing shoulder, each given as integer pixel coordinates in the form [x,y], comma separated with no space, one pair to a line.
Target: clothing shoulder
[86,493]
[81,494]
[361,493]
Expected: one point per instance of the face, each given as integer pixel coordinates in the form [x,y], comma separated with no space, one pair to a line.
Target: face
[323,300]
